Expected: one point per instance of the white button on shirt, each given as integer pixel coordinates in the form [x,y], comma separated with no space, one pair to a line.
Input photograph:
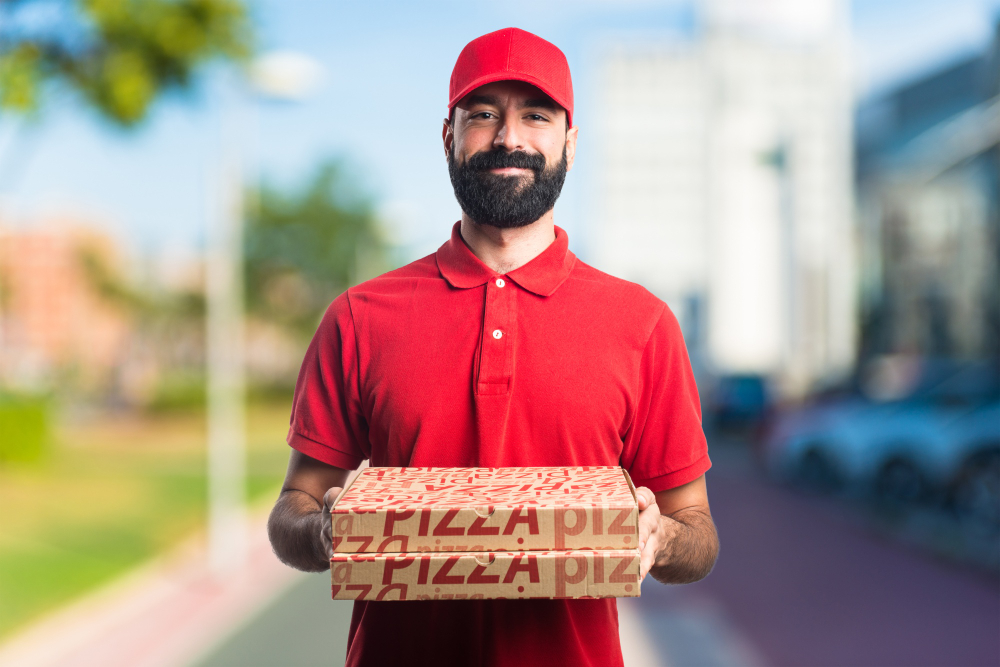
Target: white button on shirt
[497,334]
[500,282]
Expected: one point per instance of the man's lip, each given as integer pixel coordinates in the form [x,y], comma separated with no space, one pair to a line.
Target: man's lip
[509,171]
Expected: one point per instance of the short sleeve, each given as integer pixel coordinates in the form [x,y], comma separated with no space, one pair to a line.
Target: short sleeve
[665,446]
[327,422]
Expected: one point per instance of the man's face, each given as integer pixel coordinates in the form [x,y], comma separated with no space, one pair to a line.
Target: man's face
[508,151]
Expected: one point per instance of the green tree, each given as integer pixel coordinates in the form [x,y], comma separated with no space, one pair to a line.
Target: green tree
[120,55]
[303,248]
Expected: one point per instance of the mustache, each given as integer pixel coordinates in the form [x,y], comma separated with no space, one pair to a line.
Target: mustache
[501,159]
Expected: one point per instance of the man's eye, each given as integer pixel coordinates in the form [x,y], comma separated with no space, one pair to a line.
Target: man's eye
[536,116]
[485,115]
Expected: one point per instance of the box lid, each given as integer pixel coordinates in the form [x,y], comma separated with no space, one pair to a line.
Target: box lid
[486,509]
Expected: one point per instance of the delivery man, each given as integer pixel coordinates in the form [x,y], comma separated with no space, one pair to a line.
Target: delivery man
[500,349]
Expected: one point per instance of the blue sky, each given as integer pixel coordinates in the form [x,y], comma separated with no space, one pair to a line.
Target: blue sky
[380,107]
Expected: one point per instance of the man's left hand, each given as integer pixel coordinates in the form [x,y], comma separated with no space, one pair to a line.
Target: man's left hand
[678,543]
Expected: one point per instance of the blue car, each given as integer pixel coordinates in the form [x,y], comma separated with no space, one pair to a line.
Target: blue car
[939,440]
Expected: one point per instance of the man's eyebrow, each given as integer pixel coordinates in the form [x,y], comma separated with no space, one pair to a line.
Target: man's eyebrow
[489,100]
[540,103]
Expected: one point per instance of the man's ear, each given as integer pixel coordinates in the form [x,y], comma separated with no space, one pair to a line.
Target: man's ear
[448,137]
[571,146]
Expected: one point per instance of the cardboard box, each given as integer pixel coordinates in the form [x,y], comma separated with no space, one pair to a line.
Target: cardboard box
[486,509]
[503,575]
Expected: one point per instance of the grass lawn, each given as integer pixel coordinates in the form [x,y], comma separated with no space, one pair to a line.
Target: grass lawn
[111,495]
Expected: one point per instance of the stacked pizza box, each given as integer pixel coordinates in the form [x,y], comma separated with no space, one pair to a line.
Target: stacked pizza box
[474,533]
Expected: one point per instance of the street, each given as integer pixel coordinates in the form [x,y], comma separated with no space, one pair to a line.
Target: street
[799,581]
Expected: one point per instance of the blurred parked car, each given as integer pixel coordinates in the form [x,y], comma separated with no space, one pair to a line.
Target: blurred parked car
[737,402]
[915,431]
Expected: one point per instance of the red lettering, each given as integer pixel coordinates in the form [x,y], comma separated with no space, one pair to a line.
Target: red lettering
[529,517]
[598,521]
[479,576]
[563,578]
[562,530]
[598,568]
[402,539]
[442,575]
[392,516]
[342,573]
[618,526]
[443,528]
[363,590]
[364,541]
[620,576]
[425,566]
[343,524]
[425,522]
[478,526]
[395,587]
[530,565]
[393,564]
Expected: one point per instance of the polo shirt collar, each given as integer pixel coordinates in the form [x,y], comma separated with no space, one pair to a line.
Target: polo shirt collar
[542,275]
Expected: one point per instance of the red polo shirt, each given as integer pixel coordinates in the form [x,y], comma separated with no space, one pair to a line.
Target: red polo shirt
[446,363]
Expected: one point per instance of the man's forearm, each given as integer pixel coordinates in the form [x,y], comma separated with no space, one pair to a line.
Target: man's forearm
[691,549]
[294,529]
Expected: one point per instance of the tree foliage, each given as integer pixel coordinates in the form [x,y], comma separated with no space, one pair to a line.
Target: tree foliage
[304,248]
[119,54]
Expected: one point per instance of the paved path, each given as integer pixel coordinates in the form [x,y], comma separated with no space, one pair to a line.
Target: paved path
[812,584]
[304,627]
[165,614]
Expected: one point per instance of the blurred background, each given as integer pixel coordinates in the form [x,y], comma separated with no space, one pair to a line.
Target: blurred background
[813,187]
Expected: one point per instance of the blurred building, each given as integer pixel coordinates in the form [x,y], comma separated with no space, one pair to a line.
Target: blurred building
[929,193]
[54,322]
[726,185]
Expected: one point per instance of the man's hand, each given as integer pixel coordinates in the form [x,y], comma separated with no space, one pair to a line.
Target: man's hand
[300,526]
[652,534]
[326,532]
[678,543]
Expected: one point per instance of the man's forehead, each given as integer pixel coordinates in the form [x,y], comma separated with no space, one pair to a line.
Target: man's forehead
[501,93]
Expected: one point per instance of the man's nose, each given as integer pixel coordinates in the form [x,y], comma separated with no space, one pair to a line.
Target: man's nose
[508,135]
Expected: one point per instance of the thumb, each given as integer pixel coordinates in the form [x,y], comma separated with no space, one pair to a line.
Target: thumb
[330,497]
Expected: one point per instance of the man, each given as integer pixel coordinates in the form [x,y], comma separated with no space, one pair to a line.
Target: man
[501,349]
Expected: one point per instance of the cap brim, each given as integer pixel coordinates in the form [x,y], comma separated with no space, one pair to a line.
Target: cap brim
[509,76]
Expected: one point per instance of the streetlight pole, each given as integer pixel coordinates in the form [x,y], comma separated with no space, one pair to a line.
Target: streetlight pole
[225,360]
[278,75]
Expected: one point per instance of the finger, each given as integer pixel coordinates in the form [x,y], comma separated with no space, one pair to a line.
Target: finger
[327,537]
[646,560]
[330,497]
[649,521]
[645,497]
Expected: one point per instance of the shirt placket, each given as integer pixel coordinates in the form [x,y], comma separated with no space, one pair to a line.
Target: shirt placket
[497,340]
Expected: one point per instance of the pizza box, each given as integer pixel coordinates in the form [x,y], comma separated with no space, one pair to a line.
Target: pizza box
[403,510]
[497,575]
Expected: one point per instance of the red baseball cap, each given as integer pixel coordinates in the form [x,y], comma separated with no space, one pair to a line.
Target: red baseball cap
[512,54]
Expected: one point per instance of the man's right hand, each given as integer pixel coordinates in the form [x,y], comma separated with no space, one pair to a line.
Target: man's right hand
[300,527]
[326,532]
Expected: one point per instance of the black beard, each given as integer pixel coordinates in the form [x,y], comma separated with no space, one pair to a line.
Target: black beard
[506,201]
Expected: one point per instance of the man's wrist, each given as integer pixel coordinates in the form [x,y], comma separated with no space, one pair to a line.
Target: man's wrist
[670,530]
[688,549]
[295,529]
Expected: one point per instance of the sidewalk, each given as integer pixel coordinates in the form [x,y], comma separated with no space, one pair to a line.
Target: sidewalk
[165,614]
